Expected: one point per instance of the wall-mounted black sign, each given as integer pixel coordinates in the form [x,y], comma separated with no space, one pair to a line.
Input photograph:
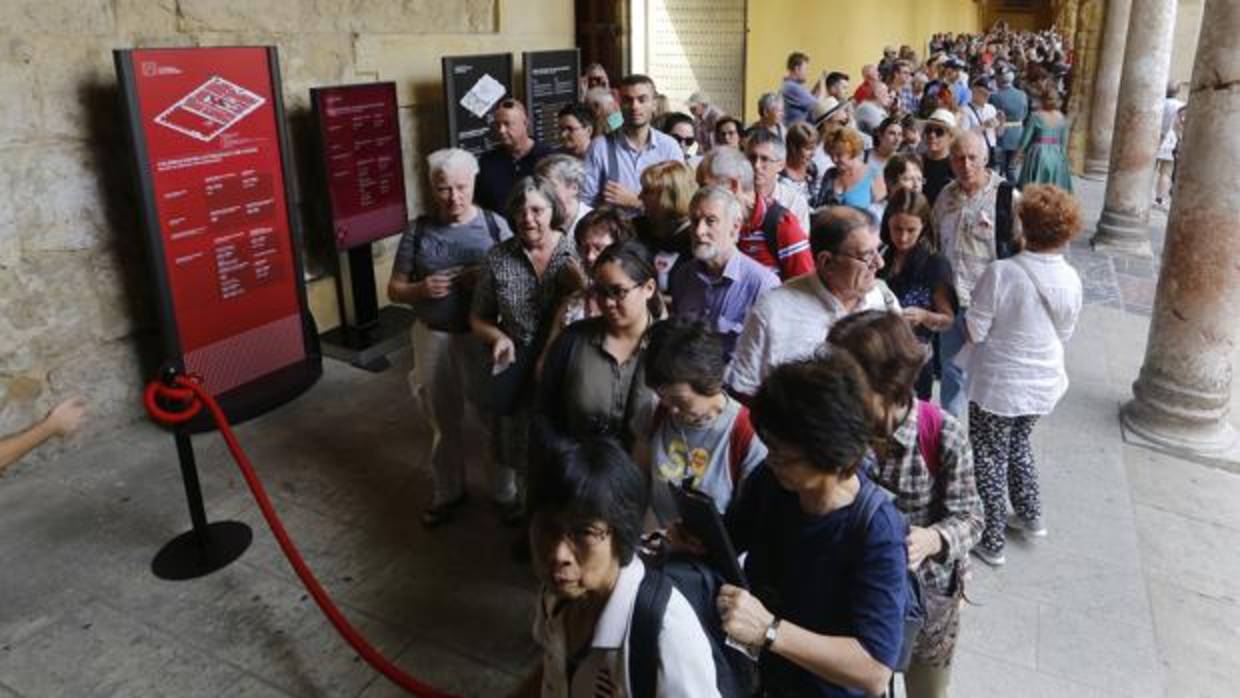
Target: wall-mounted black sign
[472,86]
[550,85]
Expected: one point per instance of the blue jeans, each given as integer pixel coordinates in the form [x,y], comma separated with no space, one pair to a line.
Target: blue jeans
[952,393]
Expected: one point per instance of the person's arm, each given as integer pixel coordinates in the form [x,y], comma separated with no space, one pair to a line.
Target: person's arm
[596,170]
[743,375]
[481,320]
[63,419]
[839,659]
[982,308]
[403,289]
[941,315]
[795,256]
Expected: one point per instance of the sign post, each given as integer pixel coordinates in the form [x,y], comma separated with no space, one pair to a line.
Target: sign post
[360,159]
[210,151]
[550,85]
[473,85]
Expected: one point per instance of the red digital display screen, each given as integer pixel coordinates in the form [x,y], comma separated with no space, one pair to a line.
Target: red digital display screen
[360,132]
[208,121]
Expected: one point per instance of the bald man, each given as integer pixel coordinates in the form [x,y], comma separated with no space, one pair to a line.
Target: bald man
[514,157]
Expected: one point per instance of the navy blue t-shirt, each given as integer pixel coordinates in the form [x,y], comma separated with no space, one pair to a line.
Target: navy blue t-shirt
[498,173]
[819,573]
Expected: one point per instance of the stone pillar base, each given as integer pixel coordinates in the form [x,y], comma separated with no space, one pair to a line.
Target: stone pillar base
[1122,233]
[1214,440]
[1096,170]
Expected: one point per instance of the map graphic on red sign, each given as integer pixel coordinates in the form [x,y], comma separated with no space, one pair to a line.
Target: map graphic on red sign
[210,109]
[212,148]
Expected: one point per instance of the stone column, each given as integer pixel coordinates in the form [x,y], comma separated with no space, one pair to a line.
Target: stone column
[1138,119]
[1181,397]
[1106,89]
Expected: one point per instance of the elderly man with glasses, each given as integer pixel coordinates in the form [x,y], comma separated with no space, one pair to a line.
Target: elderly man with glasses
[790,322]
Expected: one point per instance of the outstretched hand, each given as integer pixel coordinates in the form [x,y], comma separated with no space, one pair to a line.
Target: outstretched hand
[66,417]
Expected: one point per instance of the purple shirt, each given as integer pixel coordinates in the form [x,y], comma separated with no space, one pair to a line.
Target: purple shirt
[721,301]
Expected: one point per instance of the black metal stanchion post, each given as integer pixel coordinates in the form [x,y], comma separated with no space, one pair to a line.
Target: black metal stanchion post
[206,547]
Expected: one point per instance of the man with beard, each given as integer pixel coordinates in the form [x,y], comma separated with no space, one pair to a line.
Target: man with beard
[792,321]
[719,284]
[614,162]
[770,234]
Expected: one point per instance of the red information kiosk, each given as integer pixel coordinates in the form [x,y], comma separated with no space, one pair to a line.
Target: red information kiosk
[210,151]
[363,182]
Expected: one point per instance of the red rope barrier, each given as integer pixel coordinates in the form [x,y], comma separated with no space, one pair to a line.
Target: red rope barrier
[194,396]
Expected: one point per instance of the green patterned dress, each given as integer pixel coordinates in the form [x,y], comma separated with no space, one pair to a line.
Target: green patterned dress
[1046,154]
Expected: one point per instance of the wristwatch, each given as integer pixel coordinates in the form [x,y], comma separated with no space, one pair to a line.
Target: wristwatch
[768,638]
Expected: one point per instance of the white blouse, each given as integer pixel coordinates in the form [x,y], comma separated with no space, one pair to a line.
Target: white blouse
[686,668]
[1016,364]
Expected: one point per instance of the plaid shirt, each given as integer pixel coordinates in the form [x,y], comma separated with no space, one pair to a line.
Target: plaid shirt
[948,504]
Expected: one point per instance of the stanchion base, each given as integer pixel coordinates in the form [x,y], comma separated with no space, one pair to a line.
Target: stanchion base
[188,557]
[368,350]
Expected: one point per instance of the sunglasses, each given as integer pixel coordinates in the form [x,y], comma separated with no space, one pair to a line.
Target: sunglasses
[685,140]
[936,131]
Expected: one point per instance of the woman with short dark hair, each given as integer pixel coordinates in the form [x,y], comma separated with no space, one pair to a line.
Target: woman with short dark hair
[923,457]
[1023,310]
[586,507]
[699,434]
[824,628]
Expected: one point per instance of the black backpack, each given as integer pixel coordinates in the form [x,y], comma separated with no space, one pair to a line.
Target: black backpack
[770,228]
[1005,244]
[735,674]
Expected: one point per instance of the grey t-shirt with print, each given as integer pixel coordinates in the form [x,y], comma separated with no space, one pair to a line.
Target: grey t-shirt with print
[678,452]
[440,247]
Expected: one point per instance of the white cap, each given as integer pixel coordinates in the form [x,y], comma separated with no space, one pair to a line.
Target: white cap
[944,117]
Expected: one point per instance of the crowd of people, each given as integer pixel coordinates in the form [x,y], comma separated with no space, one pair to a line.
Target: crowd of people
[663,304]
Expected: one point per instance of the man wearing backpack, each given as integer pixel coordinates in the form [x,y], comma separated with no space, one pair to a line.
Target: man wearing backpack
[770,234]
[975,218]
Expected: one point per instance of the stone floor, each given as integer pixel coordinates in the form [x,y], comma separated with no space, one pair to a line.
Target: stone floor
[1135,593]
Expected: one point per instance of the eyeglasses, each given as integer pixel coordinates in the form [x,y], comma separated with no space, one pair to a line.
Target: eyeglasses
[580,537]
[870,259]
[615,293]
[936,131]
[685,140]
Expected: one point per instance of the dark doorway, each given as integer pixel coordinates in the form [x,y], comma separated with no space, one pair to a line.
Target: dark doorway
[603,35]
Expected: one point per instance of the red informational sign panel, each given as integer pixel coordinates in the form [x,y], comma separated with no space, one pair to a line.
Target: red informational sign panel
[360,134]
[207,132]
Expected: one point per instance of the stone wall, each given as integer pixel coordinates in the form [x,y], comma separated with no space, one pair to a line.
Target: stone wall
[76,312]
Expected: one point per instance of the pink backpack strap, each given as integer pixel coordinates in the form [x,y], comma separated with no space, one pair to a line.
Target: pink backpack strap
[929,431]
